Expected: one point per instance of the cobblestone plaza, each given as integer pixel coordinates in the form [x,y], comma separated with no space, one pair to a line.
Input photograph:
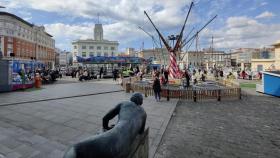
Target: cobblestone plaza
[45,122]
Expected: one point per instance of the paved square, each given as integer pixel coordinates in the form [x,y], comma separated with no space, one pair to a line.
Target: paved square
[248,128]
[48,128]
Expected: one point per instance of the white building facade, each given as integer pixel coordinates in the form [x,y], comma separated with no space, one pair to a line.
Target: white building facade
[94,47]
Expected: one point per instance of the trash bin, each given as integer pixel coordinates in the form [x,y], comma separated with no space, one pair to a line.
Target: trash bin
[38,81]
[127,87]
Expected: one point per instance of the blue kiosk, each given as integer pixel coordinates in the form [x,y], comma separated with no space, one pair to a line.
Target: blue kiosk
[270,83]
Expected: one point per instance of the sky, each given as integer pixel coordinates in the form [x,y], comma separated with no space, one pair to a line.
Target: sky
[240,23]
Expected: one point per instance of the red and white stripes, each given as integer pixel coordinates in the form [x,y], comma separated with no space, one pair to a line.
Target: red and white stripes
[173,68]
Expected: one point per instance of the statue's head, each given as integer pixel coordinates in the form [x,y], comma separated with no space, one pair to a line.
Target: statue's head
[137,98]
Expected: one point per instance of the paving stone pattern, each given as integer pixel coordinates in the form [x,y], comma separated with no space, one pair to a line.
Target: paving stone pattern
[58,91]
[46,129]
[249,128]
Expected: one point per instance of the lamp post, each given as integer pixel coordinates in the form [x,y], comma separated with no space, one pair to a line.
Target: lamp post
[1,53]
[173,38]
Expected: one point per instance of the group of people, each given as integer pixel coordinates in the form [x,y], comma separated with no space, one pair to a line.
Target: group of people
[160,78]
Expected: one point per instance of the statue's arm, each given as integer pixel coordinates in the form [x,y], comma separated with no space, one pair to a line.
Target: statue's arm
[110,115]
[143,123]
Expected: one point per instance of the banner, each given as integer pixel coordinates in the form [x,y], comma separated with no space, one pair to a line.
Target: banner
[111,60]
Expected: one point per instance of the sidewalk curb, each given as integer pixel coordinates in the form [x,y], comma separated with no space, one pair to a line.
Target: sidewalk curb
[158,139]
[59,98]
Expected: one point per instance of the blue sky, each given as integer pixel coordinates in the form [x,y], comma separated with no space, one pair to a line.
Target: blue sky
[240,23]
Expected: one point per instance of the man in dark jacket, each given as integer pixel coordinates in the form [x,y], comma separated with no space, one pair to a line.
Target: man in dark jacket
[166,73]
[101,72]
[157,88]
[187,78]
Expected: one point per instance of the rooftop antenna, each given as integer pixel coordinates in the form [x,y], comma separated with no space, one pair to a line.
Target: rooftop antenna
[212,49]
[98,18]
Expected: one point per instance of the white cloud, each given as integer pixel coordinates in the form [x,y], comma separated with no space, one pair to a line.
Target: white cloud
[244,32]
[123,16]
[122,10]
[64,34]
[264,3]
[265,14]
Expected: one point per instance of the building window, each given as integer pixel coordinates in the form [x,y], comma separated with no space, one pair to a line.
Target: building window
[112,54]
[105,48]
[91,54]
[2,24]
[112,48]
[10,39]
[91,47]
[84,47]
[84,54]
[105,54]
[259,68]
[75,47]
[98,47]
[98,54]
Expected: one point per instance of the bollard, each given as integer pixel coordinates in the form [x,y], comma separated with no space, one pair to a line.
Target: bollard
[219,95]
[167,95]
[239,90]
[146,95]
[127,87]
[194,96]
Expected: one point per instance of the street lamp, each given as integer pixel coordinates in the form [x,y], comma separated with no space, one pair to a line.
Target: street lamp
[173,38]
[1,54]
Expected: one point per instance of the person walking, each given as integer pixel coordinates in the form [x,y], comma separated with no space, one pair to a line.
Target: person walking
[115,74]
[166,73]
[157,88]
[243,74]
[101,72]
[187,78]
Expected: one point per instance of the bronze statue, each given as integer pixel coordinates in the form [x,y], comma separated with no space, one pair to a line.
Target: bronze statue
[117,140]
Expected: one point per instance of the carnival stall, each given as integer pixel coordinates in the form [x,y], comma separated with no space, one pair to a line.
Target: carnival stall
[17,74]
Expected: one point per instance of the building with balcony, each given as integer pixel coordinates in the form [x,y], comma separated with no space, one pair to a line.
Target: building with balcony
[192,59]
[241,57]
[158,56]
[94,47]
[267,59]
[22,40]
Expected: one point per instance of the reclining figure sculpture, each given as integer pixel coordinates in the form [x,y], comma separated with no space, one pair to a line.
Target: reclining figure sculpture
[117,140]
